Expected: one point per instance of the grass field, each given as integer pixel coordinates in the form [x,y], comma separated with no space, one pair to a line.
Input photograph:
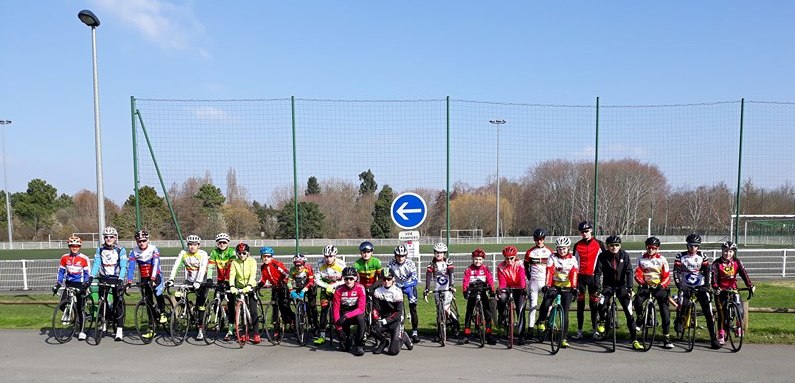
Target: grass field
[775,328]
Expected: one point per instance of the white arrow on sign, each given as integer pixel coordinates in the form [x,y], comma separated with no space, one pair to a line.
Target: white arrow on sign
[402,211]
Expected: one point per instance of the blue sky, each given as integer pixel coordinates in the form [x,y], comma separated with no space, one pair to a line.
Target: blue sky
[546,52]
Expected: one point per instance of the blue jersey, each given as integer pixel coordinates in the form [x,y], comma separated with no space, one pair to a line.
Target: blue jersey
[110,262]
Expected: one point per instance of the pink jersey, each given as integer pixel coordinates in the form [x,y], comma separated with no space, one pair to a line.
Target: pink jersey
[349,302]
[475,274]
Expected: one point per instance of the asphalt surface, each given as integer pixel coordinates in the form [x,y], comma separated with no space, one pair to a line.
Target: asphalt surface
[27,356]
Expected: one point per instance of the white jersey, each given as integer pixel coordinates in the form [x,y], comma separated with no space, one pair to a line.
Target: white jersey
[537,262]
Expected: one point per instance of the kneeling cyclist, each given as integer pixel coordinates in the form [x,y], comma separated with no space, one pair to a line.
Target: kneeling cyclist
[388,316]
[349,303]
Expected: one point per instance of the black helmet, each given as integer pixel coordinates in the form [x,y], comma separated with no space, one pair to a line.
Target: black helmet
[366,246]
[693,239]
[539,234]
[349,272]
[584,225]
[142,234]
[653,241]
[728,245]
[613,239]
[242,248]
[401,251]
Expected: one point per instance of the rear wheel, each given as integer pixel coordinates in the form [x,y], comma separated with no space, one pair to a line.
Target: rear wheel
[144,322]
[649,325]
[734,330]
[64,321]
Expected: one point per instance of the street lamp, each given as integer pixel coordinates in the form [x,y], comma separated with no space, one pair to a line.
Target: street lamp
[498,123]
[90,19]
[5,180]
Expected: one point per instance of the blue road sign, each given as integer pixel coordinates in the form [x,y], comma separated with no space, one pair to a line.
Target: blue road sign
[408,211]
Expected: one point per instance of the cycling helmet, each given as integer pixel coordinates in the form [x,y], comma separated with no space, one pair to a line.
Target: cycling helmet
[728,245]
[349,272]
[479,253]
[366,246]
[563,242]
[539,234]
[266,250]
[653,241]
[242,248]
[401,251]
[110,231]
[613,239]
[387,273]
[141,235]
[440,248]
[222,237]
[193,239]
[299,259]
[330,251]
[74,241]
[584,225]
[509,251]
[693,239]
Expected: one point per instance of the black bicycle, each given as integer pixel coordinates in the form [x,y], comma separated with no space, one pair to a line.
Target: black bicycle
[442,314]
[148,316]
[647,317]
[733,321]
[479,314]
[105,311]
[611,317]
[215,317]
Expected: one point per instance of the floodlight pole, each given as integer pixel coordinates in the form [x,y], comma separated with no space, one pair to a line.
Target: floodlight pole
[498,123]
[5,181]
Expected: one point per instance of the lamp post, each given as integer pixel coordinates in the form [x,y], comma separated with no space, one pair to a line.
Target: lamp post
[90,19]
[498,123]
[5,181]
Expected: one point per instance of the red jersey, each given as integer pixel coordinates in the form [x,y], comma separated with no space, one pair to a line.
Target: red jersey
[724,274]
[586,253]
[511,276]
[274,274]
[349,303]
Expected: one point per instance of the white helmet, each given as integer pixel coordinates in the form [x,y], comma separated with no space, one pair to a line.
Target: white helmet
[110,231]
[440,248]
[563,242]
[193,238]
[222,237]
[330,250]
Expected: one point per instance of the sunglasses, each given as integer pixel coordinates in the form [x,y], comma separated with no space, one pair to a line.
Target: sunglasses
[349,278]
[328,256]
[193,243]
[614,245]
[222,243]
[652,247]
[109,236]
[694,245]
[243,253]
[142,241]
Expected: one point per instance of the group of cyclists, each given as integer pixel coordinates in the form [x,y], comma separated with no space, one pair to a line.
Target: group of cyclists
[368,298]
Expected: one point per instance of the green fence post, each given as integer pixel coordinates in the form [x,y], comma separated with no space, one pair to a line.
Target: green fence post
[447,188]
[596,170]
[133,113]
[295,175]
[739,174]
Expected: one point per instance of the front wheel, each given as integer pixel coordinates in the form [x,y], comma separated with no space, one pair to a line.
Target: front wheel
[301,322]
[511,318]
[734,330]
[214,322]
[262,321]
[144,322]
[101,322]
[180,322]
[648,326]
[690,328]
[556,327]
[613,318]
[441,321]
[64,321]
[480,323]
[242,322]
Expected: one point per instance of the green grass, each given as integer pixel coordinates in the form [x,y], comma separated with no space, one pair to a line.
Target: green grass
[764,327]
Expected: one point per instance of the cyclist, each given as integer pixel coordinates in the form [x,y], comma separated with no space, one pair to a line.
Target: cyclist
[73,270]
[614,278]
[724,277]
[477,277]
[692,273]
[561,274]
[147,256]
[243,278]
[440,271]
[110,265]
[368,267]
[195,261]
[388,316]
[301,284]
[220,257]
[274,274]
[511,275]
[586,251]
[405,272]
[349,304]
[653,277]
[328,278]
[535,268]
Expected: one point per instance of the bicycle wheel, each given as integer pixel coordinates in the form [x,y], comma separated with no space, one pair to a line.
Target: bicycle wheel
[556,326]
[734,329]
[89,313]
[441,321]
[180,322]
[690,330]
[101,322]
[262,321]
[214,321]
[613,318]
[510,323]
[241,323]
[144,322]
[649,325]
[64,321]
[480,323]
[301,324]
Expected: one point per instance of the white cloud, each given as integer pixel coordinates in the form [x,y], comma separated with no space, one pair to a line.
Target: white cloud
[212,113]
[166,24]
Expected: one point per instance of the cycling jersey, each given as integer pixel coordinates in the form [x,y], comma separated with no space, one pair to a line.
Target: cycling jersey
[691,270]
[349,302]
[73,268]
[274,274]
[724,274]
[148,261]
[219,261]
[586,253]
[478,275]
[368,270]
[110,262]
[511,276]
[562,271]
[243,273]
[405,273]
[195,265]
[652,270]
[328,276]
[613,270]
[388,303]
[301,278]
[535,263]
[441,272]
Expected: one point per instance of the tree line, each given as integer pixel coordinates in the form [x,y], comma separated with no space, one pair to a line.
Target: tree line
[554,194]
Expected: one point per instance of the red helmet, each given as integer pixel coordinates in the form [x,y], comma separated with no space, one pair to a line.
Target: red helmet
[479,253]
[509,251]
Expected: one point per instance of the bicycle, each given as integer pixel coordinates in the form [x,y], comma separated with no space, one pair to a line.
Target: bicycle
[688,317]
[479,314]
[262,317]
[64,316]
[556,322]
[733,322]
[184,315]
[301,319]
[441,313]
[101,322]
[648,318]
[215,319]
[510,315]
[243,325]
[147,314]
[611,317]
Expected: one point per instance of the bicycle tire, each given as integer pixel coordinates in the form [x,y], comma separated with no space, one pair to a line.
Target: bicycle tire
[330,326]
[441,320]
[213,322]
[262,321]
[64,321]
[556,327]
[480,323]
[649,325]
[88,317]
[300,322]
[691,328]
[180,321]
[510,323]
[241,325]
[613,318]
[100,323]
[734,330]
[144,322]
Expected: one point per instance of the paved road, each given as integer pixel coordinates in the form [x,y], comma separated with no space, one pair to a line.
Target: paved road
[30,356]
